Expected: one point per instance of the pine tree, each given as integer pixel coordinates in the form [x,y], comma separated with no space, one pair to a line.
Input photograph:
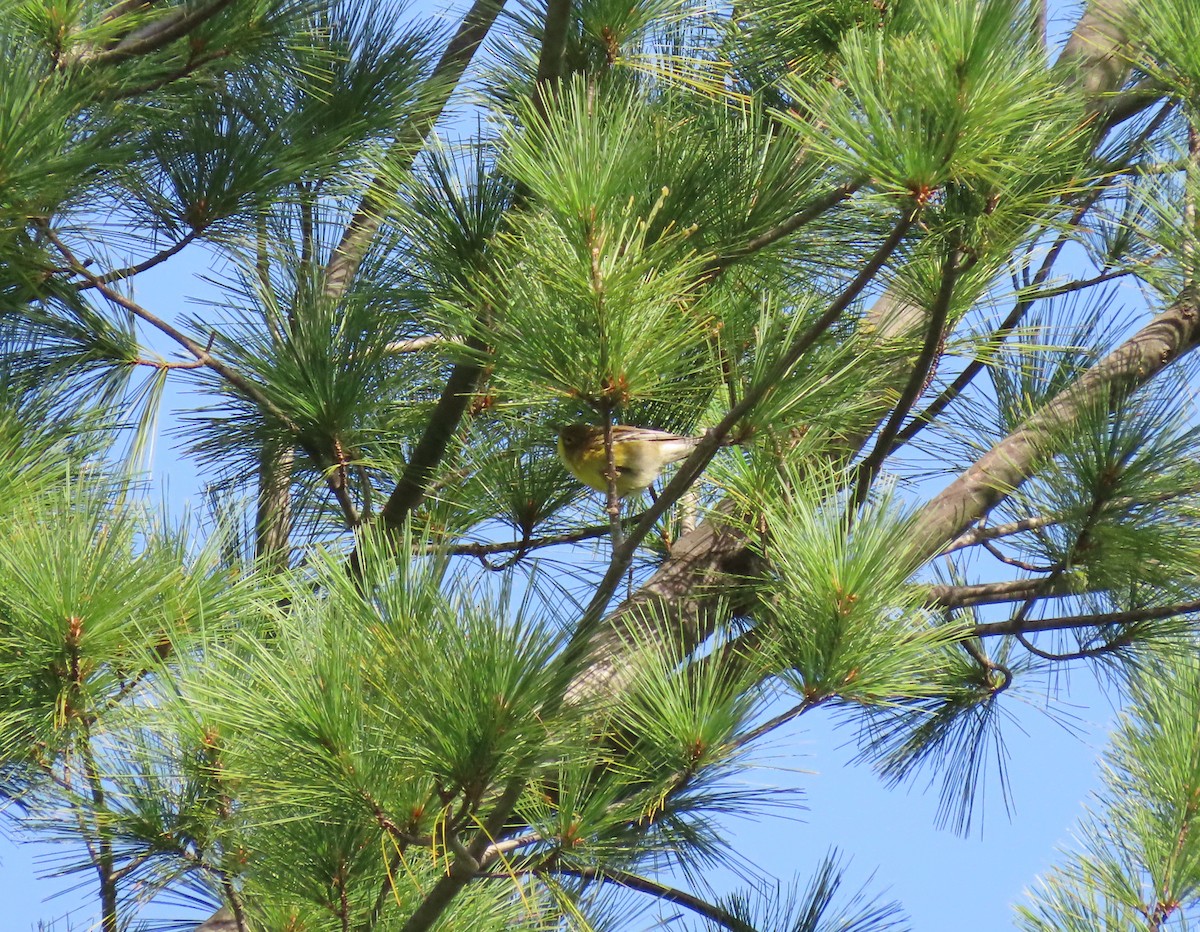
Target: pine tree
[406,673]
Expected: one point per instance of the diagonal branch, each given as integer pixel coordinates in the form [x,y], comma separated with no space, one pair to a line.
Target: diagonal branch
[595,641]
[1010,590]
[153,36]
[550,61]
[1009,463]
[246,386]
[368,216]
[935,331]
[810,212]
[660,891]
[466,374]
[204,357]
[439,430]
[146,264]
[694,465]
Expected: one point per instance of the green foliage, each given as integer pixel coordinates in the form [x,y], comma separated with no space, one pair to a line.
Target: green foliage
[771,41]
[815,908]
[350,701]
[954,98]
[91,596]
[1167,46]
[846,624]
[1139,864]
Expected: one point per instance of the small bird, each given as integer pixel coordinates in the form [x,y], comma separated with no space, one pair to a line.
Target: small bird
[639,453]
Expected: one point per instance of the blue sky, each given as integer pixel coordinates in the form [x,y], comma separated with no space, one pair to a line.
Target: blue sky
[944,882]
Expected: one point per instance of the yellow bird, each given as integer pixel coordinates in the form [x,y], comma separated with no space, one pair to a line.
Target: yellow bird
[639,454]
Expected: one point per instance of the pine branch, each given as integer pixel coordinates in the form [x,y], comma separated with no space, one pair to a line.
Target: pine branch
[247,387]
[789,226]
[660,891]
[236,380]
[416,344]
[153,36]
[550,60]
[1012,590]
[130,270]
[935,331]
[978,535]
[1019,564]
[537,543]
[368,216]
[691,468]
[1068,622]
[439,430]
[1009,463]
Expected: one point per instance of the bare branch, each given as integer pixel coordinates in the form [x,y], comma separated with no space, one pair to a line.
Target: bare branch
[130,270]
[238,381]
[416,344]
[1068,622]
[980,534]
[658,890]
[1012,590]
[935,330]
[1019,564]
[550,60]
[793,223]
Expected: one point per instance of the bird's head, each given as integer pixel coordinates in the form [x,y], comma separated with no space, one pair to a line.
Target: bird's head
[575,437]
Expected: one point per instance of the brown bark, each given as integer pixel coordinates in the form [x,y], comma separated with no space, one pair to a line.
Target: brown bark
[1096,53]
[368,217]
[273,524]
[1003,468]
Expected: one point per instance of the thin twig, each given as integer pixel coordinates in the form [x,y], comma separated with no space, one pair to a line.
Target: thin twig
[1012,590]
[248,388]
[793,223]
[536,543]
[658,890]
[163,365]
[918,379]
[159,33]
[1065,622]
[1019,564]
[1057,291]
[805,705]
[229,374]
[130,270]
[1028,296]
[416,344]
[978,535]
